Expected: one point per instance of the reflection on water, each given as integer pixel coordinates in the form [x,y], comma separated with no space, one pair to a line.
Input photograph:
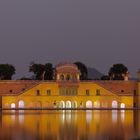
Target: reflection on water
[70,125]
[88,116]
[114,116]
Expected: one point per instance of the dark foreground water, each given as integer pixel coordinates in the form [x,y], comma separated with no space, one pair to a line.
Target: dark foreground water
[70,125]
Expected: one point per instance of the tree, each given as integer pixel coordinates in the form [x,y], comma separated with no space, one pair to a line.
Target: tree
[105,77]
[48,74]
[42,72]
[38,70]
[25,78]
[83,69]
[118,72]
[6,71]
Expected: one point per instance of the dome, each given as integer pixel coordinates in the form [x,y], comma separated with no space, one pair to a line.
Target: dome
[67,72]
[67,68]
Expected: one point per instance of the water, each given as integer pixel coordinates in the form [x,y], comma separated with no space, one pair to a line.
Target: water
[70,125]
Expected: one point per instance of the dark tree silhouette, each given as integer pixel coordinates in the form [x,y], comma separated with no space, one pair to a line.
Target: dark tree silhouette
[25,78]
[48,73]
[118,71]
[105,77]
[38,70]
[83,69]
[42,72]
[6,71]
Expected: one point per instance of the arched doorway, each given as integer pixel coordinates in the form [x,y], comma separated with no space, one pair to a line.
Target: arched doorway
[74,104]
[89,104]
[114,104]
[96,104]
[62,104]
[13,106]
[68,104]
[62,77]
[21,104]
[122,105]
[68,77]
[75,77]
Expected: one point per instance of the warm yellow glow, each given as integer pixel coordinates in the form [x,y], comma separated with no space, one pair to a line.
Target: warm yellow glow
[72,123]
[29,98]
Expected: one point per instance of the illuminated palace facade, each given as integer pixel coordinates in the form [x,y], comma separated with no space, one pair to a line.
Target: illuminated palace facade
[68,92]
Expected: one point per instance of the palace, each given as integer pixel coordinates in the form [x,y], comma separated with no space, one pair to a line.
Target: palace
[68,92]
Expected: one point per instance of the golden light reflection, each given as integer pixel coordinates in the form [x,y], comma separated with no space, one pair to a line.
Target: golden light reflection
[114,116]
[70,125]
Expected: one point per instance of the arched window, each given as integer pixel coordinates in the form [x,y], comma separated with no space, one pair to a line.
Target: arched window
[68,77]
[62,77]
[13,106]
[62,104]
[21,104]
[122,105]
[74,104]
[68,104]
[114,104]
[74,77]
[89,104]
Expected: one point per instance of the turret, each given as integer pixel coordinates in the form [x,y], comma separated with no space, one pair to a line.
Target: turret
[67,72]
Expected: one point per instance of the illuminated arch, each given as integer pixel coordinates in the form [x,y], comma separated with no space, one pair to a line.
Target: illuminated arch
[74,104]
[61,77]
[114,104]
[122,105]
[13,105]
[21,104]
[68,77]
[68,104]
[75,77]
[62,105]
[89,104]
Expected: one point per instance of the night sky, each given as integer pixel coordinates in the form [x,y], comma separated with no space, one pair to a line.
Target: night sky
[95,32]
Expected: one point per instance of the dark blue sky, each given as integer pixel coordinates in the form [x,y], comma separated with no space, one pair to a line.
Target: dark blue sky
[96,32]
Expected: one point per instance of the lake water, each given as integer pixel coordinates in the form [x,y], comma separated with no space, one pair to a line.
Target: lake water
[70,125]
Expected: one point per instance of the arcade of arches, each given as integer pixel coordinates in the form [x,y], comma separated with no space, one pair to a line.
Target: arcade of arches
[64,105]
